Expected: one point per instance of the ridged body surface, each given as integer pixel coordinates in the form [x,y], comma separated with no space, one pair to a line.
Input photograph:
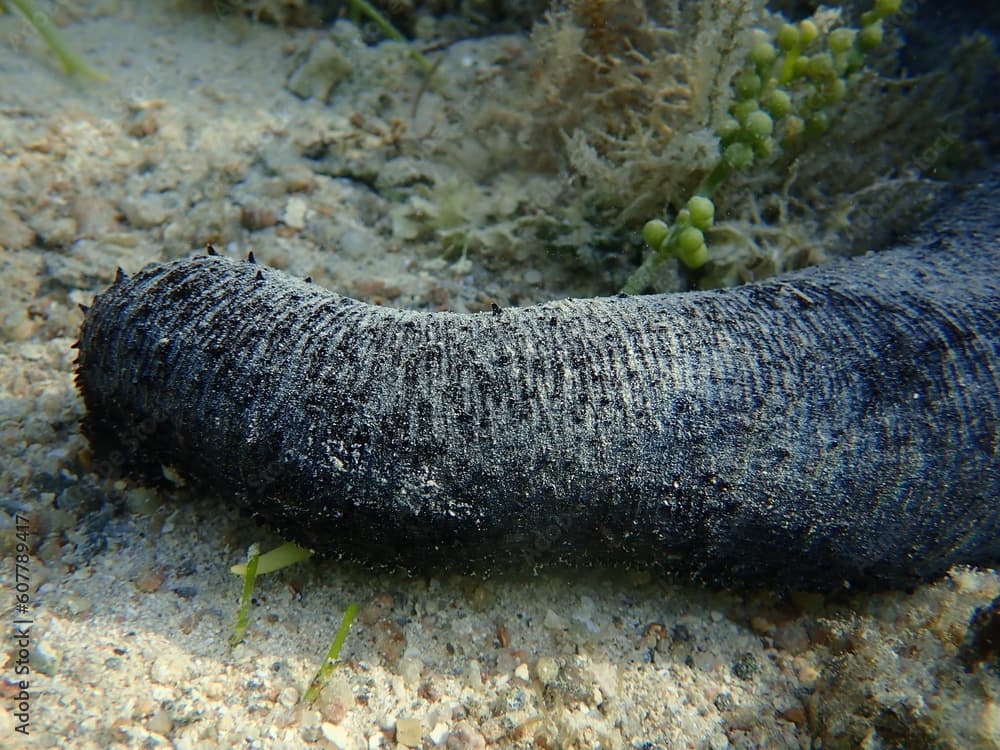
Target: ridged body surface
[836,424]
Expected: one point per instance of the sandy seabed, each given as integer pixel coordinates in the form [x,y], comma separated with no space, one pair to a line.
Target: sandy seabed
[130,602]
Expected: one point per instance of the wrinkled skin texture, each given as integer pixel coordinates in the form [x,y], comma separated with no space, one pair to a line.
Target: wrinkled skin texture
[836,425]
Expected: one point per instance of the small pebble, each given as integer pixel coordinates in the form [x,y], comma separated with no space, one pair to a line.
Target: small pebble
[298,178]
[14,233]
[142,501]
[795,714]
[718,741]
[257,217]
[16,325]
[474,675]
[94,215]
[142,123]
[555,622]
[324,67]
[390,641]
[464,737]
[145,211]
[547,669]
[379,606]
[288,697]
[409,669]
[439,733]
[408,732]
[295,212]
[167,671]
[791,637]
[149,580]
[533,277]
[335,735]
[77,605]
[160,723]
[807,674]
[309,726]
[336,699]
[46,659]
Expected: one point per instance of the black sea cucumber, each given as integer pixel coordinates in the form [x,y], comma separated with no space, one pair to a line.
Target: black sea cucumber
[836,425]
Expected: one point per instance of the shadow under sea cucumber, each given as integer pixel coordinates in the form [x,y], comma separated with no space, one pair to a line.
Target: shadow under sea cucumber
[837,425]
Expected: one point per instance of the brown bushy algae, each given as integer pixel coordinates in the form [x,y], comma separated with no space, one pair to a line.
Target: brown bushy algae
[836,425]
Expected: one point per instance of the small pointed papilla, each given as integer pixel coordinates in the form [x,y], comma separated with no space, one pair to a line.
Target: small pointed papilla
[210,250]
[251,258]
[120,275]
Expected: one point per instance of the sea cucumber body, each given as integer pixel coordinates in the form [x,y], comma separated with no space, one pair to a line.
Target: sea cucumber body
[839,424]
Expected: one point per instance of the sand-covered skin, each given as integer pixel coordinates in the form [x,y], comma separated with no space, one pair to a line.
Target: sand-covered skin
[196,139]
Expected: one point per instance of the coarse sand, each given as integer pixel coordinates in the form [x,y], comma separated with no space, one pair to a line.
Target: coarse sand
[130,603]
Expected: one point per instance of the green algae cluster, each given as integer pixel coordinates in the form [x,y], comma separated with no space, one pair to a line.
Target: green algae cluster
[809,136]
[785,94]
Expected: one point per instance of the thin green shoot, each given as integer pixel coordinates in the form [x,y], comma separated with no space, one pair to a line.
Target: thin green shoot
[278,558]
[72,62]
[324,673]
[249,577]
[391,31]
